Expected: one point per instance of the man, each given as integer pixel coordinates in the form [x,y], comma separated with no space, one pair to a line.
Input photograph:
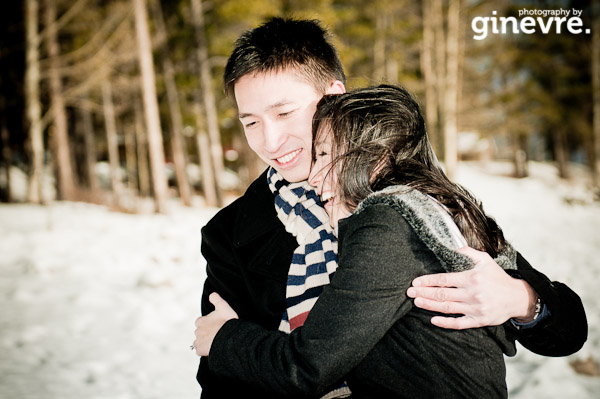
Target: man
[277,74]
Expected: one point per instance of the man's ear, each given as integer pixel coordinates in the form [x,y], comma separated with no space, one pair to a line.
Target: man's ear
[336,87]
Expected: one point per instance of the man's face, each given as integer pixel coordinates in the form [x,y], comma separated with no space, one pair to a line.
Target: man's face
[276,110]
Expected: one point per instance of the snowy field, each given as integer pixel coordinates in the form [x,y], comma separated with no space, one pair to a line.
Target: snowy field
[100,305]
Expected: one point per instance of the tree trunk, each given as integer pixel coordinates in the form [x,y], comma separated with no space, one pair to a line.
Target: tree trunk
[437,15]
[520,163]
[142,151]
[451,93]
[155,143]
[520,156]
[66,183]
[379,44]
[177,144]
[90,147]
[429,76]
[208,96]
[561,152]
[460,63]
[32,102]
[112,143]
[130,157]
[209,185]
[6,158]
[596,90]
[6,154]
[392,65]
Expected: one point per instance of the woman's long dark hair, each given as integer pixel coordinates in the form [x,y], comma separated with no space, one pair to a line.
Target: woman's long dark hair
[379,140]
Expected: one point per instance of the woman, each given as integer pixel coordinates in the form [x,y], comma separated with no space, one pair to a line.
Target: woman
[397,216]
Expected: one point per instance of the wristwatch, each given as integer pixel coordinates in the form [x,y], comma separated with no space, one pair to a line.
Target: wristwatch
[538,308]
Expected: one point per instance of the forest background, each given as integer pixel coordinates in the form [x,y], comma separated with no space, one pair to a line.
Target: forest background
[115,101]
[117,145]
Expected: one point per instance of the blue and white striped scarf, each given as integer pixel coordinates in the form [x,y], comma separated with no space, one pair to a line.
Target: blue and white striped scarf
[315,260]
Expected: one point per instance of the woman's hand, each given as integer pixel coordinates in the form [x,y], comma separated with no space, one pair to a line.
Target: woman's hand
[208,326]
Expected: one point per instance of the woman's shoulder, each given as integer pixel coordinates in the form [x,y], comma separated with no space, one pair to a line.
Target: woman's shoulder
[388,207]
[375,219]
[396,197]
[421,216]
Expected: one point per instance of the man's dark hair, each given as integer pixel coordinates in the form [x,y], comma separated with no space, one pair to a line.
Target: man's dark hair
[279,44]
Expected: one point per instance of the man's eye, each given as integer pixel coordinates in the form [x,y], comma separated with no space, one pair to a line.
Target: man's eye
[250,125]
[285,114]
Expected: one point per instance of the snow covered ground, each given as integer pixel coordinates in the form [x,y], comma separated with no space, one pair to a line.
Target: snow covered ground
[555,225]
[96,304]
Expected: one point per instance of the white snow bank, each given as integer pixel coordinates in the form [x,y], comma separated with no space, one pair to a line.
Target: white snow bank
[554,224]
[97,305]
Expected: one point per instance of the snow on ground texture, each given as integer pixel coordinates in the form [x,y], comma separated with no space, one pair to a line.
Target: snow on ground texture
[96,304]
[555,226]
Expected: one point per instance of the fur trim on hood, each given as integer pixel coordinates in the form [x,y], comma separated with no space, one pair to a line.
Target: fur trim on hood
[423,214]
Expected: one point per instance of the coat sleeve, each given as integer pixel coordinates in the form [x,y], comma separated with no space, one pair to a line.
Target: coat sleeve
[226,276]
[565,330]
[366,297]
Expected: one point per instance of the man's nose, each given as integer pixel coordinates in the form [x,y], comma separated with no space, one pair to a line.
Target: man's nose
[273,137]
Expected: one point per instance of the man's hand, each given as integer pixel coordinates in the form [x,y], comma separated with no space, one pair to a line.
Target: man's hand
[208,326]
[485,295]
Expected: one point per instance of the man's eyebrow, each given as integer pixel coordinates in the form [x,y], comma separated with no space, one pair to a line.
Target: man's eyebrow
[270,107]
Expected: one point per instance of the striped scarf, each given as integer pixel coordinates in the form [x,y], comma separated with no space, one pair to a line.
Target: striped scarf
[314,261]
